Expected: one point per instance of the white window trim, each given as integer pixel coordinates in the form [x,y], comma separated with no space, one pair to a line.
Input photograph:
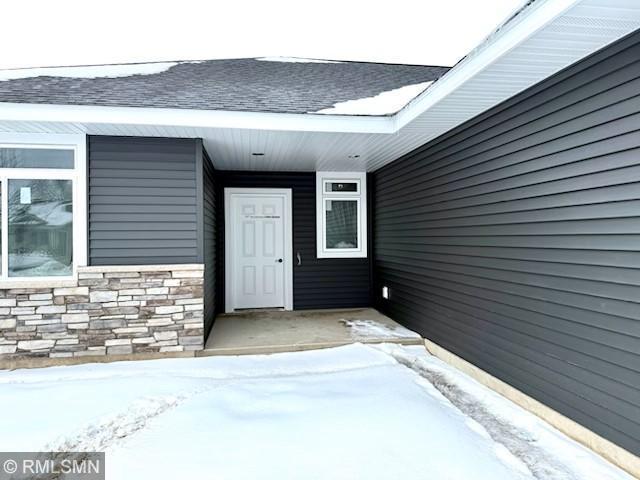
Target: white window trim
[361,198]
[78,175]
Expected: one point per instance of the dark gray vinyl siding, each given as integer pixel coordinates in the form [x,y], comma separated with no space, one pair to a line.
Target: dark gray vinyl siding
[514,242]
[210,213]
[317,283]
[142,201]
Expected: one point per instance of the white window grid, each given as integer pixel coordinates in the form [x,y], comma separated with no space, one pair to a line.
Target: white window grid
[359,196]
[76,175]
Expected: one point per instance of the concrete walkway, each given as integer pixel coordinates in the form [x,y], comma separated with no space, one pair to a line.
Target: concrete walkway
[258,332]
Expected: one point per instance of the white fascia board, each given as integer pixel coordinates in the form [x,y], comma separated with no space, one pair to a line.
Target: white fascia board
[535,17]
[176,117]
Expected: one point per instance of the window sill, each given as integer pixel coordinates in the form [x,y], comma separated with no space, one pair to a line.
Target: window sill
[140,268]
[342,254]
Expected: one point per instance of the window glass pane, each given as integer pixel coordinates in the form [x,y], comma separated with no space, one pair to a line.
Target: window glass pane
[341,187]
[1,199]
[35,158]
[40,228]
[341,223]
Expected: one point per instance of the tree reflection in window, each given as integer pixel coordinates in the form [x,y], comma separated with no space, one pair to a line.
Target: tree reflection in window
[40,228]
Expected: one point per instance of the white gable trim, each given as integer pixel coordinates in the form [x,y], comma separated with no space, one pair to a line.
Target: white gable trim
[495,46]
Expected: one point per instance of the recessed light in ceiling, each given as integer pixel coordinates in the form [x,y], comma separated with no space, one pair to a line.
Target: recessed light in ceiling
[258,154]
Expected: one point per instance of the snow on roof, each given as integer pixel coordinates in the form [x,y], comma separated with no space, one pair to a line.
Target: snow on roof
[89,71]
[294,60]
[385,103]
[270,84]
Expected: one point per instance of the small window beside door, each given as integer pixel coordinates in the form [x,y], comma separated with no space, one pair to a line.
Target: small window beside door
[341,215]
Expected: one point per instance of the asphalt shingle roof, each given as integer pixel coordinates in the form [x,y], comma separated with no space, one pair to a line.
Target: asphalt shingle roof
[240,85]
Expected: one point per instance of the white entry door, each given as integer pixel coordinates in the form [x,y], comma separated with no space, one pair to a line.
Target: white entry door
[258,243]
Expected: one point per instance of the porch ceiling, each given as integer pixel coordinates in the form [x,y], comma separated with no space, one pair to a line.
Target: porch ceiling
[541,40]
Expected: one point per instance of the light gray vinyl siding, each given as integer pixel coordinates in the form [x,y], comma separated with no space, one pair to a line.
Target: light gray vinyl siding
[514,241]
[143,201]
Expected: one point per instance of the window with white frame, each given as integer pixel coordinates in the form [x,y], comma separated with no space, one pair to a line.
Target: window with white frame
[40,187]
[341,214]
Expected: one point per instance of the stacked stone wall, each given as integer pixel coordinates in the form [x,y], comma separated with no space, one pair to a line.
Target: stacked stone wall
[107,311]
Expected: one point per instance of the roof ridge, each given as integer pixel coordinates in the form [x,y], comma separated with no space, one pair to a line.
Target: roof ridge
[98,65]
[368,62]
[221,59]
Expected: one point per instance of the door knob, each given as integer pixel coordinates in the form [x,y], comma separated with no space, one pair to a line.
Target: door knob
[279,260]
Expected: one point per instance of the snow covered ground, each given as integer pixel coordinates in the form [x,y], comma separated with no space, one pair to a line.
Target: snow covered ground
[364,329]
[349,412]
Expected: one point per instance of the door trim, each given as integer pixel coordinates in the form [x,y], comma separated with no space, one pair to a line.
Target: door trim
[286,194]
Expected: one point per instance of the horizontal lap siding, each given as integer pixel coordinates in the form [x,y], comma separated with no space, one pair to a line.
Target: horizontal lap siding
[317,283]
[514,242]
[142,201]
[210,241]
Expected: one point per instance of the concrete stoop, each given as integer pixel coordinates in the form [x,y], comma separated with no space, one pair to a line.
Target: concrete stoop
[263,332]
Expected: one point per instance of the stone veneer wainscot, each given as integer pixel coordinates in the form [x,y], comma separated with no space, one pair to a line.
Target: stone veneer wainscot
[109,310]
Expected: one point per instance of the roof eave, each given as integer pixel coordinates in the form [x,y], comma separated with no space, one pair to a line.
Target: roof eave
[530,21]
[90,114]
